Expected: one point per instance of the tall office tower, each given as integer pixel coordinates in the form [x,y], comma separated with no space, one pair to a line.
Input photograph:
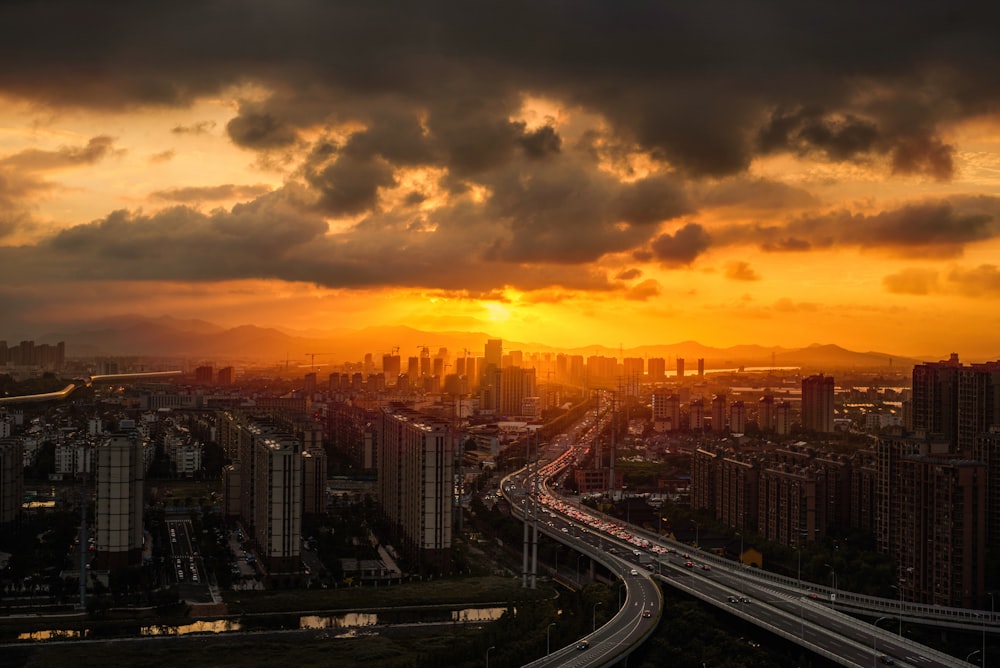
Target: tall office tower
[369,363]
[737,504]
[783,418]
[226,375]
[941,551]
[696,414]
[416,461]
[737,417]
[516,385]
[473,369]
[437,367]
[413,368]
[11,480]
[817,403]
[375,382]
[119,497]
[680,367]
[719,413]
[517,358]
[425,362]
[766,413]
[701,367]
[309,383]
[657,367]
[493,353]
[277,490]
[203,375]
[666,410]
[460,366]
[391,368]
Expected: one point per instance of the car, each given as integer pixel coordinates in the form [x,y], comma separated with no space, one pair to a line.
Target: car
[734,599]
[647,613]
[689,564]
[583,644]
[706,567]
[636,552]
[633,572]
[887,660]
[744,599]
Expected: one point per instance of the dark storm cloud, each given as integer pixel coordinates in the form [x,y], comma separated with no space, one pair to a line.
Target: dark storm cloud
[681,247]
[700,88]
[260,131]
[937,228]
[693,83]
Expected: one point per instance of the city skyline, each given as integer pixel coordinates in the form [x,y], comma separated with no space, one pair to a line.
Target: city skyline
[588,175]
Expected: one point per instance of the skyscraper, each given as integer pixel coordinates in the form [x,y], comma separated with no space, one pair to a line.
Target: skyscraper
[11,479]
[817,403]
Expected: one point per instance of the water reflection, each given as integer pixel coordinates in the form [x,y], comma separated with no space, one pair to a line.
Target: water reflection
[54,634]
[349,620]
[477,614]
[220,626]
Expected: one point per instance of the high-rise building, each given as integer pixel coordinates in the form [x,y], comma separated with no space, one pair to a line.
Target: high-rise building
[817,403]
[719,413]
[493,353]
[790,504]
[666,410]
[701,367]
[634,367]
[986,449]
[783,418]
[657,367]
[416,460]
[226,375]
[277,491]
[766,413]
[391,368]
[737,417]
[11,480]
[516,384]
[680,367]
[119,476]
[941,554]
[203,375]
[696,414]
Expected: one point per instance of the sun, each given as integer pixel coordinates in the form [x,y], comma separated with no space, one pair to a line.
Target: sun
[497,312]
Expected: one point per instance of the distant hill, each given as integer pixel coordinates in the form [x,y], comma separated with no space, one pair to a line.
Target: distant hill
[201,341]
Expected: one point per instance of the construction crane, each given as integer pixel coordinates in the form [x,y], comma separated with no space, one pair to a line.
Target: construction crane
[312,358]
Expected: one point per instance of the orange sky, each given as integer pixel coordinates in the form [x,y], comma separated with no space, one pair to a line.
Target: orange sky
[674,179]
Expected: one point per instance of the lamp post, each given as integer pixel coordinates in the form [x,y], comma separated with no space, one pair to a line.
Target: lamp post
[742,592]
[551,624]
[900,590]
[595,615]
[875,641]
[697,541]
[970,655]
[491,647]
[833,601]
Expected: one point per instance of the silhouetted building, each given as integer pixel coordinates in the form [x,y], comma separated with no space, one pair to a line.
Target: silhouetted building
[119,478]
[11,480]
[817,403]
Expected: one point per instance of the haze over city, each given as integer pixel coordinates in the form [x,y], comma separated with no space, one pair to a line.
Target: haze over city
[575,175]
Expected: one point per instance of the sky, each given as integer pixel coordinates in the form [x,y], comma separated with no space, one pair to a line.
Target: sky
[568,172]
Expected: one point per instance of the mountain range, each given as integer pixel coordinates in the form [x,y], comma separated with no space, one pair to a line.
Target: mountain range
[199,341]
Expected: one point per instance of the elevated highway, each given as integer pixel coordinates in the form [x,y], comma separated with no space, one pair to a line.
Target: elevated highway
[808,614]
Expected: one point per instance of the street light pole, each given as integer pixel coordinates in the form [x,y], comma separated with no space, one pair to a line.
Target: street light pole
[875,641]
[970,655]
[833,601]
[697,541]
[742,589]
[595,614]
[491,647]
[551,624]
[900,590]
